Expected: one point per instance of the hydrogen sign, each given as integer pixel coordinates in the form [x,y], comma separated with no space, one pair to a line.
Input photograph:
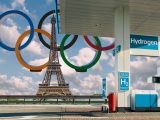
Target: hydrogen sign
[104,88]
[124,80]
[144,42]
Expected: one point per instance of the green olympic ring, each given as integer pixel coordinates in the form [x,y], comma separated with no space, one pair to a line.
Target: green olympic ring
[84,67]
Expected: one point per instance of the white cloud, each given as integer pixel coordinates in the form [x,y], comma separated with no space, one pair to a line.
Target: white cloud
[75,91]
[49,1]
[104,56]
[10,22]
[16,4]
[35,48]
[38,61]
[98,66]
[66,70]
[85,55]
[108,39]
[139,84]
[110,82]
[148,66]
[111,61]
[15,85]
[3,8]
[18,83]
[91,82]
[47,27]
[88,85]
[3,77]
[141,69]
[9,33]
[19,4]
[1,61]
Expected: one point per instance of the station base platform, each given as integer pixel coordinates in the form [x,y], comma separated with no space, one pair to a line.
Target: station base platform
[141,109]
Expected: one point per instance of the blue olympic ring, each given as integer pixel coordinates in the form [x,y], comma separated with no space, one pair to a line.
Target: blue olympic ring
[31,31]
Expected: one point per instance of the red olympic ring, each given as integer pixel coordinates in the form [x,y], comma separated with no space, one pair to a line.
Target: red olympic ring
[98,47]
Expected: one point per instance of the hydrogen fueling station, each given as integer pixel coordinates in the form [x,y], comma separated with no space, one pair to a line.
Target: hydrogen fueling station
[134,28]
[135,25]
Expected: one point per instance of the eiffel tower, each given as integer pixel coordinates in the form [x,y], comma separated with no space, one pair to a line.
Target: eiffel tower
[46,88]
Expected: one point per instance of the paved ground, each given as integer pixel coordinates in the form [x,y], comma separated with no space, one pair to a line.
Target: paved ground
[68,112]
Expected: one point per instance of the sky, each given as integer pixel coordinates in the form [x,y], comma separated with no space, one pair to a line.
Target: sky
[15,79]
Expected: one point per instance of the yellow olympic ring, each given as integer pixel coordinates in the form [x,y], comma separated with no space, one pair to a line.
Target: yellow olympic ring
[18,55]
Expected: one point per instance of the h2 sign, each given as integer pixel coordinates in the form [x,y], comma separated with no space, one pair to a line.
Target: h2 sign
[124,80]
[144,42]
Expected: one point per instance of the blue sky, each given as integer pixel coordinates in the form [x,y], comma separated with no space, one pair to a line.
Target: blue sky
[14,79]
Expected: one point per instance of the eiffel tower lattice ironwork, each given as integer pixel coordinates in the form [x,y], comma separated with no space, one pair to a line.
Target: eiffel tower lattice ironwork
[46,88]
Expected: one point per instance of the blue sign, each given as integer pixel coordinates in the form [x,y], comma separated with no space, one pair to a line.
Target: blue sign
[144,42]
[124,80]
[103,88]
[116,50]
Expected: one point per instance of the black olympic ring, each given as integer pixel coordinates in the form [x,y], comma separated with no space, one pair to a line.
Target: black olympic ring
[41,37]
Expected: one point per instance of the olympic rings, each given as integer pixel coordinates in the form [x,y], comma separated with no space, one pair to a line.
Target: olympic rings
[41,37]
[19,57]
[61,48]
[31,31]
[98,47]
[84,67]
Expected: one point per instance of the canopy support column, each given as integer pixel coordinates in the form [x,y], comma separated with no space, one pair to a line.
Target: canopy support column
[122,58]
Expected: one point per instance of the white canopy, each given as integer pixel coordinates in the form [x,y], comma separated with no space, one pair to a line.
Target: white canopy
[96,17]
